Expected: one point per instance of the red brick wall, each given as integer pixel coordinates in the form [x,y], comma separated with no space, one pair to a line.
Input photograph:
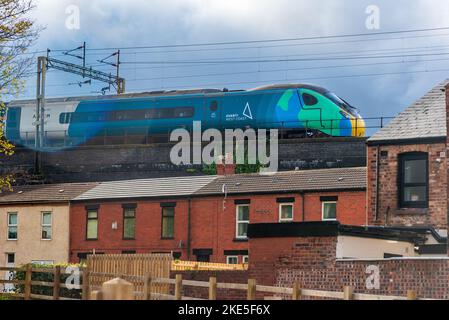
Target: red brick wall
[213,223]
[311,262]
[388,212]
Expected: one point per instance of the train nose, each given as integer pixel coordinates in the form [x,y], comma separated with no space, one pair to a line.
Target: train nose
[359,127]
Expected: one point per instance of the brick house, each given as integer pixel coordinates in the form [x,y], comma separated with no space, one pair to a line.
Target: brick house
[206,218]
[34,223]
[407,167]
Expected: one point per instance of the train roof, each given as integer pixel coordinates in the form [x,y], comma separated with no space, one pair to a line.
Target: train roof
[170,93]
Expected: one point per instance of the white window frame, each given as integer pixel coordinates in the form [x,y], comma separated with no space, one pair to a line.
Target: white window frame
[12,225]
[232,257]
[237,221]
[290,204]
[245,259]
[322,210]
[47,225]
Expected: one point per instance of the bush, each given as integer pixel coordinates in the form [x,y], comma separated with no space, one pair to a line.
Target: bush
[48,277]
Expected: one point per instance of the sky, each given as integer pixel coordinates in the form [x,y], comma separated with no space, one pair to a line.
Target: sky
[379,87]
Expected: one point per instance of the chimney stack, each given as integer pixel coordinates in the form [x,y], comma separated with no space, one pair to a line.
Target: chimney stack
[226,166]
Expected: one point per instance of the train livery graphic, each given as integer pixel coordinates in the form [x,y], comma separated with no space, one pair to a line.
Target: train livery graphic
[291,108]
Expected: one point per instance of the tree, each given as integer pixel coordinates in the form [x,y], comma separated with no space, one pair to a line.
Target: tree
[17,33]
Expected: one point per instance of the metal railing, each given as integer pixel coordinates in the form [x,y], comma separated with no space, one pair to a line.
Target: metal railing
[161,134]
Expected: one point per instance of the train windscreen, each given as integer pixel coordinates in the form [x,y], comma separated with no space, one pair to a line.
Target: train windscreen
[342,103]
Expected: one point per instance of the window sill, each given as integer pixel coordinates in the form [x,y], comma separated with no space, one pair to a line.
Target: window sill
[240,240]
[412,211]
[167,239]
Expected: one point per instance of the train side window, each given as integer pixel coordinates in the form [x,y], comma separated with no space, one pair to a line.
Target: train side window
[65,118]
[184,112]
[214,106]
[309,100]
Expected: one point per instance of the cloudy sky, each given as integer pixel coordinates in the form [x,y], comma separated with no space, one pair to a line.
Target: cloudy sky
[377,86]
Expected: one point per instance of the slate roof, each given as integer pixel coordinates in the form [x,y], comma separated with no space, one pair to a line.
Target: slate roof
[292,181]
[51,193]
[282,182]
[426,118]
[147,188]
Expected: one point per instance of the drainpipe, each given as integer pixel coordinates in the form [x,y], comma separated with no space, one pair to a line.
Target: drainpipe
[303,200]
[189,227]
[377,182]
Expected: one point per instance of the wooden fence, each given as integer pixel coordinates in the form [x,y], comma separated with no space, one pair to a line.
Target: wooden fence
[252,288]
[146,288]
[27,293]
[129,267]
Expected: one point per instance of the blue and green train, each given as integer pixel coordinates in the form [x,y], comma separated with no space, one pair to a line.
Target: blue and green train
[290,108]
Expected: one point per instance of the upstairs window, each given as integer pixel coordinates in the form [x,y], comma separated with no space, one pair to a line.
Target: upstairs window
[286,212]
[12,226]
[46,226]
[129,223]
[413,180]
[168,223]
[92,225]
[242,221]
[329,211]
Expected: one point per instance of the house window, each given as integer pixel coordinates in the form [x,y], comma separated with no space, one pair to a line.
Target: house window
[92,225]
[12,226]
[329,211]
[286,212]
[10,259]
[242,221]
[168,223]
[46,226]
[245,259]
[232,260]
[413,180]
[129,223]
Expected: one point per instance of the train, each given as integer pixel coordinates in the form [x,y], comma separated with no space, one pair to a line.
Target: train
[291,108]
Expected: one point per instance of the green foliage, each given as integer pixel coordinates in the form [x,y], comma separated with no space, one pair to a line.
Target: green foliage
[17,34]
[210,170]
[48,277]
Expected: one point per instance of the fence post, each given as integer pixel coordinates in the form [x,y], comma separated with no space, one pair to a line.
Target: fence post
[411,295]
[296,291]
[251,295]
[56,282]
[212,288]
[85,288]
[178,287]
[28,273]
[118,289]
[147,288]
[348,293]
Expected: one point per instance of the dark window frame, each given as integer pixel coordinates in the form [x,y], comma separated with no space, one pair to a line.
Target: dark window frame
[125,218]
[402,185]
[163,216]
[89,210]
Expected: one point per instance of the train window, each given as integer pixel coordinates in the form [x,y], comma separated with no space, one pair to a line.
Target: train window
[309,100]
[214,106]
[65,118]
[184,112]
